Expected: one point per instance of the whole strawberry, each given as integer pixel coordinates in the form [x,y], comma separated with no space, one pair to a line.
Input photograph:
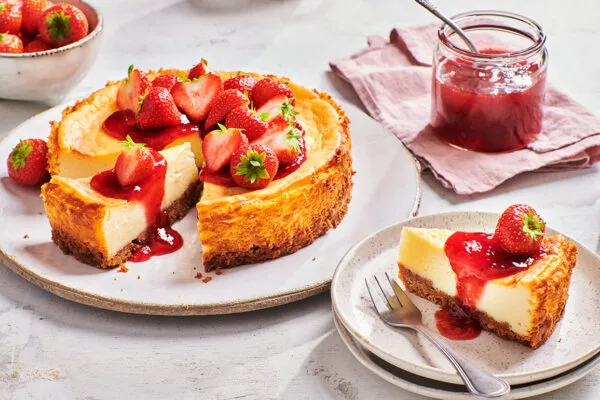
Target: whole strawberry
[27,163]
[198,70]
[253,166]
[267,88]
[62,24]
[254,125]
[520,230]
[243,83]
[36,45]
[224,102]
[32,14]
[157,110]
[167,81]
[10,17]
[10,43]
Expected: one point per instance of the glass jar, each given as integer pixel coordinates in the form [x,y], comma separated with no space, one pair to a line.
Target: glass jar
[490,101]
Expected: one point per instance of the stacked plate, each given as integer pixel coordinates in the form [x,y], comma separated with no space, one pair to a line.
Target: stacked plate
[409,361]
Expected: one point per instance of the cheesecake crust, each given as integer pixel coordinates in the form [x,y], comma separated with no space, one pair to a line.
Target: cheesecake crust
[551,294]
[284,224]
[69,241]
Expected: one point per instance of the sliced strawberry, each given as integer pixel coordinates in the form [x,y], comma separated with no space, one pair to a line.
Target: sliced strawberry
[166,81]
[267,88]
[253,166]
[157,110]
[198,70]
[225,101]
[219,145]
[135,164]
[243,83]
[195,98]
[285,139]
[132,90]
[252,123]
[279,105]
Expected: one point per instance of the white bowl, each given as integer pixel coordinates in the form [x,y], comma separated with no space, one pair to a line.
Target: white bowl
[47,76]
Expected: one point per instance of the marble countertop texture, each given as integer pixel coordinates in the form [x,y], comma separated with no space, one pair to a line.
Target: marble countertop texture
[51,348]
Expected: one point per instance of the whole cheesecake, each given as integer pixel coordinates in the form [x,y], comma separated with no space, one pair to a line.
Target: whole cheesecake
[236,225]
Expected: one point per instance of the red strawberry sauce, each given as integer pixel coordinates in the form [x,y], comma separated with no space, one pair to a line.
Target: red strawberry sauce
[476,258]
[122,123]
[163,239]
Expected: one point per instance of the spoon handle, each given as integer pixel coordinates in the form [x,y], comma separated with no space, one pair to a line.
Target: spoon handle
[435,11]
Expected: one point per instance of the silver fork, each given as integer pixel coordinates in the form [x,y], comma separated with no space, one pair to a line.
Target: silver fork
[398,311]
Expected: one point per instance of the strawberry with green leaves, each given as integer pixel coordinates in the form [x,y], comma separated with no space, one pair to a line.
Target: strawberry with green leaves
[285,139]
[132,91]
[520,230]
[219,145]
[27,163]
[253,166]
[62,24]
[135,164]
[198,70]
[224,102]
[157,110]
[195,97]
[10,17]
[279,105]
[10,43]
[253,124]
[267,88]
[242,83]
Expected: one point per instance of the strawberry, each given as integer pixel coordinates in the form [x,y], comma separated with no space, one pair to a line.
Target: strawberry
[253,124]
[198,70]
[254,166]
[10,43]
[196,97]
[166,81]
[219,145]
[243,83]
[10,17]
[62,24]
[135,164]
[285,139]
[225,101]
[157,110]
[267,88]
[520,230]
[278,105]
[36,45]
[132,90]
[32,14]
[28,161]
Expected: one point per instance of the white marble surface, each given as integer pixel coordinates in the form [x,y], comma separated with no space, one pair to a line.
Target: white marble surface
[53,349]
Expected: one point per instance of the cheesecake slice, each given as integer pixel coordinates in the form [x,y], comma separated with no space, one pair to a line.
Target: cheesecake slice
[104,231]
[519,298]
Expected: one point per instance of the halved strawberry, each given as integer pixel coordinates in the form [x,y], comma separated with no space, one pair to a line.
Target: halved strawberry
[166,81]
[198,70]
[135,164]
[132,90]
[157,110]
[279,105]
[253,124]
[243,83]
[267,88]
[225,101]
[253,166]
[285,139]
[219,145]
[195,97]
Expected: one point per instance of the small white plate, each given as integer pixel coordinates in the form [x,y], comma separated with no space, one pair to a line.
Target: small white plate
[386,189]
[575,339]
[448,391]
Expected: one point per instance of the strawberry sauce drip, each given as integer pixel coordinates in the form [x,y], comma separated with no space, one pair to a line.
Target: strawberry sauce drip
[477,258]
[456,325]
[162,240]
[122,123]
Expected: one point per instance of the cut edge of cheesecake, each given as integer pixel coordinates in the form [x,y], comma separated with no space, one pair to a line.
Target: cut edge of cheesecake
[548,285]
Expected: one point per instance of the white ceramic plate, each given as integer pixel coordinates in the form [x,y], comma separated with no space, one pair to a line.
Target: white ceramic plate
[440,390]
[576,338]
[386,189]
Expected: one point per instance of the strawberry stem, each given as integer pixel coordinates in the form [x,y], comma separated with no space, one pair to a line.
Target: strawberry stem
[533,225]
[252,166]
[130,144]
[59,25]
[20,154]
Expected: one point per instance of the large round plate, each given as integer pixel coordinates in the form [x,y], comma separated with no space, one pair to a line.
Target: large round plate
[574,340]
[386,188]
[448,391]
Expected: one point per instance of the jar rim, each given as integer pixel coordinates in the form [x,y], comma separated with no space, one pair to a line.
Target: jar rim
[538,43]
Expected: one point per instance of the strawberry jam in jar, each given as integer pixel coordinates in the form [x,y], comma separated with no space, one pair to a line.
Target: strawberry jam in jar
[489,101]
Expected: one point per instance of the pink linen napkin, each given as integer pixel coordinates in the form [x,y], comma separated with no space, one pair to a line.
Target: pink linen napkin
[393,80]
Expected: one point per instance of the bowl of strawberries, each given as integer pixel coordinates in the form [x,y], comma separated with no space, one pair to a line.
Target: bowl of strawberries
[46,47]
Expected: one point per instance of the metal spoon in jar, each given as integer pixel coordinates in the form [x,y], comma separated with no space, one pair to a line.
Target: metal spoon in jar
[435,11]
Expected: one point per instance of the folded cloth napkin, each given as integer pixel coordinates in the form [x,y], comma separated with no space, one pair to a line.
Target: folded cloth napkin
[393,80]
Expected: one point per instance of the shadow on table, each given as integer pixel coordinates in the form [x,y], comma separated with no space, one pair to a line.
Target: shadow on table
[237,6]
